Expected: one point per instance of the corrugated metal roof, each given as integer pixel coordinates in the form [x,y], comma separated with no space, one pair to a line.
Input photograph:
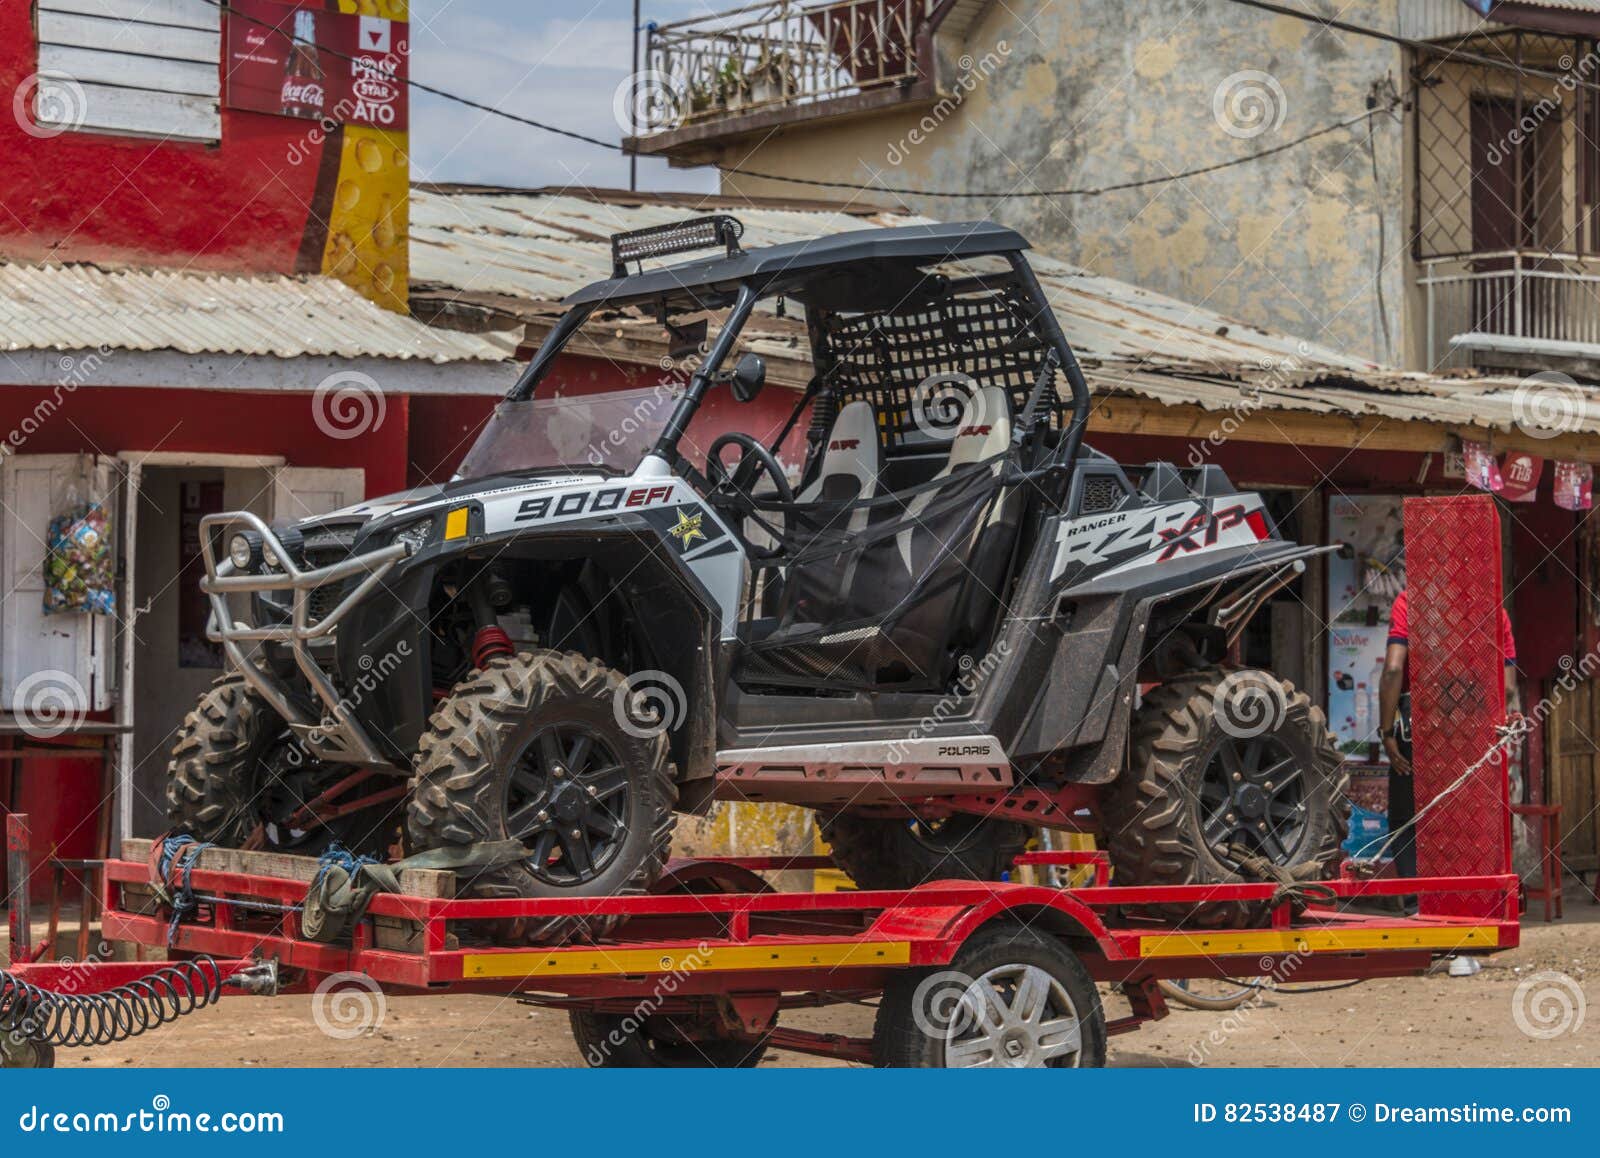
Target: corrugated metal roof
[1452,19]
[75,307]
[1486,403]
[539,245]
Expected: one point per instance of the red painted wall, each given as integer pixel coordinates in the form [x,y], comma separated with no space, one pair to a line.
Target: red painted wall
[80,196]
[108,420]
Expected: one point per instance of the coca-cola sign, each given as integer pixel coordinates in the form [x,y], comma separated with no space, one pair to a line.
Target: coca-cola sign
[303,61]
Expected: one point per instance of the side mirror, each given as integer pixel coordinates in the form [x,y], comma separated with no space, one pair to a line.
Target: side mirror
[749,376]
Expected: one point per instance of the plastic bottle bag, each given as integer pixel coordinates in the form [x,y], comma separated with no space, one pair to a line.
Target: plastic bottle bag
[80,560]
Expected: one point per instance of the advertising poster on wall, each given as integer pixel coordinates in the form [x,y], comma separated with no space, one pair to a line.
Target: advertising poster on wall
[1363,578]
[305,62]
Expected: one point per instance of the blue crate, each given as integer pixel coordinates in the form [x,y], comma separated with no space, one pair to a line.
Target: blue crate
[1365,828]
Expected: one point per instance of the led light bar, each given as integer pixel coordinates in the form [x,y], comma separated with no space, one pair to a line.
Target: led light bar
[717,230]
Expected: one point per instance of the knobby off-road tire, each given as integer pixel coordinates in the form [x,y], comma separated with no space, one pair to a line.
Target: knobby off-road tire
[636,1041]
[881,853]
[476,756]
[1282,756]
[227,769]
[929,1019]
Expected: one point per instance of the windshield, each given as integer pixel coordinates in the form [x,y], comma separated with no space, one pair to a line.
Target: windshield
[609,432]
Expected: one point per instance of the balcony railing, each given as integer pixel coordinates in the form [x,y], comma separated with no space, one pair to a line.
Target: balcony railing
[778,54]
[1530,295]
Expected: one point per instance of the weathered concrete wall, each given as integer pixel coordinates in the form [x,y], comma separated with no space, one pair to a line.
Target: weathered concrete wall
[1097,92]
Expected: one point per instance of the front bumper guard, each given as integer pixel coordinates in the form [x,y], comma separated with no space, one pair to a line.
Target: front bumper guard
[337,737]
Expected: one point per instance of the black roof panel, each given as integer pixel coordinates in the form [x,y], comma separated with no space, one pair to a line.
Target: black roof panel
[917,243]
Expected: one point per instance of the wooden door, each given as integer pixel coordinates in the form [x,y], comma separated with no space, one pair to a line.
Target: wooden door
[1572,744]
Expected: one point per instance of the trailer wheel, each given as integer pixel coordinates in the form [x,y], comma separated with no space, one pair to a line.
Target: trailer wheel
[23,1053]
[629,1041]
[889,853]
[533,747]
[235,769]
[1220,759]
[1013,998]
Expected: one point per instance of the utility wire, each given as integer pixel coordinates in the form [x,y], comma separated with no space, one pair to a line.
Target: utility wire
[1461,54]
[855,186]
[323,50]
[1008,195]
[1082,191]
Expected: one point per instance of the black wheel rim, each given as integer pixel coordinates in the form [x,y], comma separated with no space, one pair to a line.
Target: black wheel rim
[567,802]
[1253,795]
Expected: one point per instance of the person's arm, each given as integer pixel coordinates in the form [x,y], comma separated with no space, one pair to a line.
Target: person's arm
[1508,651]
[1389,685]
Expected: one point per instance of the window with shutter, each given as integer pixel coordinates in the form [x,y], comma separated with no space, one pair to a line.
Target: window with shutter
[72,649]
[137,67]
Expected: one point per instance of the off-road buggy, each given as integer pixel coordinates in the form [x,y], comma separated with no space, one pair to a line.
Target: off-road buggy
[960,624]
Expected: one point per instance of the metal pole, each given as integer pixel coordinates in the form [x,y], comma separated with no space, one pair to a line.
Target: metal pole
[17,844]
[633,105]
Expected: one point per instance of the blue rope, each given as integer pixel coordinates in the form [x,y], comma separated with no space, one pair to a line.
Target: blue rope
[338,856]
[182,851]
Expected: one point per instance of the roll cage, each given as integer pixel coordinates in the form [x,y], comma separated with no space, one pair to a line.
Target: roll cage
[883,318]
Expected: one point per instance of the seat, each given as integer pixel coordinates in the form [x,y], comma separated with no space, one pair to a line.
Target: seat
[961,579]
[889,611]
[850,466]
[984,433]
[848,472]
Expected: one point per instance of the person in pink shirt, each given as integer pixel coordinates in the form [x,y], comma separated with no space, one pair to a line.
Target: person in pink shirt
[1394,723]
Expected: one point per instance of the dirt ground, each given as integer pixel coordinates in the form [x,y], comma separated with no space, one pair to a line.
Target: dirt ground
[1429,1021]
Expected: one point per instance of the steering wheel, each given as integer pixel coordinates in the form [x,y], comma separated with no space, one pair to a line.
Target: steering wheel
[755,460]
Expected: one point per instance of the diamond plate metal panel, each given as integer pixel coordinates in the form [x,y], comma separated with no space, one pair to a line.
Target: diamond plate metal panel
[1457,692]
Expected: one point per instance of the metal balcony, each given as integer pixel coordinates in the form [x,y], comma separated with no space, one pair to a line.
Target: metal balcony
[1511,308]
[712,78]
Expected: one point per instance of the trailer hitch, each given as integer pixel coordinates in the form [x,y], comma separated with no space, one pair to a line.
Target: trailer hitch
[259,980]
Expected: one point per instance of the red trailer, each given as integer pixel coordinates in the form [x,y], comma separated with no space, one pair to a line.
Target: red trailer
[719,957]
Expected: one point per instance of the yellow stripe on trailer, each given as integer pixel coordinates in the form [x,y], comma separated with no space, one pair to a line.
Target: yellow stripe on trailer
[1317,941]
[723,958]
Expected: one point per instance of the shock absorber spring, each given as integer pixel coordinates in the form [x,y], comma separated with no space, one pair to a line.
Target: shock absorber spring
[73,1020]
[489,642]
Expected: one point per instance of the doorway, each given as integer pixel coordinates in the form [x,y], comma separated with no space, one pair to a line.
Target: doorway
[173,663]
[1516,184]
[167,663]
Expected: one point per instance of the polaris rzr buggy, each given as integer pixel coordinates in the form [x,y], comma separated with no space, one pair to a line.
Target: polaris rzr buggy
[960,624]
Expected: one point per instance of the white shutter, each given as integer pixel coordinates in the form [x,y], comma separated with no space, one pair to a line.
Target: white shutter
[142,67]
[77,645]
[299,492]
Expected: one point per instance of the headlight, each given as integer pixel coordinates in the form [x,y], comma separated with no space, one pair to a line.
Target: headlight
[416,536]
[292,539]
[244,550]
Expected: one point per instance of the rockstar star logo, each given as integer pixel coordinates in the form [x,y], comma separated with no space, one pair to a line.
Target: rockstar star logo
[687,529]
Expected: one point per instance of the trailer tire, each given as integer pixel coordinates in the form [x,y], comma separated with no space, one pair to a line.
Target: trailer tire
[223,765]
[1213,738]
[889,853]
[629,1041]
[471,763]
[23,1053]
[925,1011]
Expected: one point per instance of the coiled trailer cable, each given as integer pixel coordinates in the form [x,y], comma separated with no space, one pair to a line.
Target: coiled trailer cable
[74,1020]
